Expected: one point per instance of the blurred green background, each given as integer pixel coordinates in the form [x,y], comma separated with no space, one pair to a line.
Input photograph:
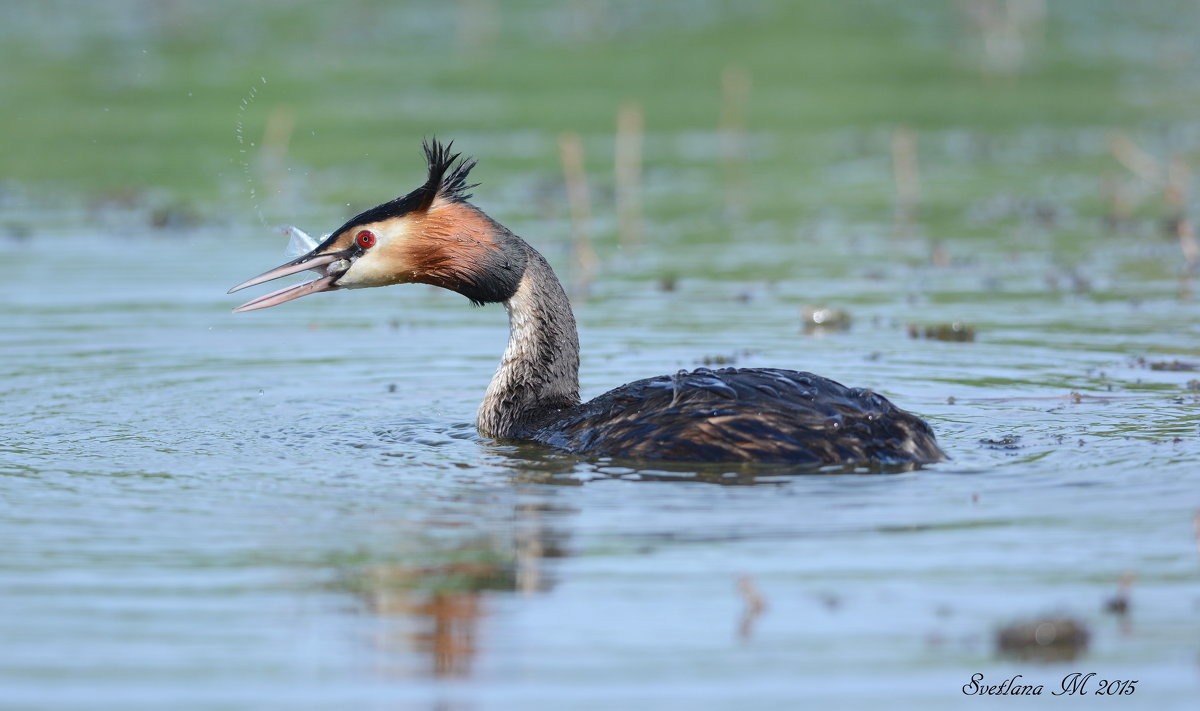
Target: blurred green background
[214,111]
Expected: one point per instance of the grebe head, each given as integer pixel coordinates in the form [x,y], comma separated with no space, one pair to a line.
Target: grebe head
[431,236]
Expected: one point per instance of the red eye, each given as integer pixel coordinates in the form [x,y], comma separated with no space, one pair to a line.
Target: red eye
[365,239]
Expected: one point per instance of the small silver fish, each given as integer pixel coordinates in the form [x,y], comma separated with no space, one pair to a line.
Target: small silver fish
[299,242]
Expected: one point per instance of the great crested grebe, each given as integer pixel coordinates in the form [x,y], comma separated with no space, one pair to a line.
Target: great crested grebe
[434,236]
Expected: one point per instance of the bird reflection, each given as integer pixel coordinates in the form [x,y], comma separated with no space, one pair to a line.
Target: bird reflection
[538,465]
[443,603]
[432,597]
[440,600]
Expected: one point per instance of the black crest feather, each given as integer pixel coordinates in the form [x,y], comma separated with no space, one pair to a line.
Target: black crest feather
[446,181]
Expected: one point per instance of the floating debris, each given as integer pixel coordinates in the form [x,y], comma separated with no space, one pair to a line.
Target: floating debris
[1173,365]
[1118,604]
[18,231]
[173,217]
[725,359]
[818,319]
[830,600]
[1010,442]
[1046,639]
[956,331]
[719,359]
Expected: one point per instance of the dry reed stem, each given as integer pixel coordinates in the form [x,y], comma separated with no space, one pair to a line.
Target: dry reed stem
[735,94]
[1136,160]
[628,173]
[906,173]
[277,137]
[571,150]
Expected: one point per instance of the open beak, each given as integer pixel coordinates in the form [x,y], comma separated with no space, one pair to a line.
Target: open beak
[330,266]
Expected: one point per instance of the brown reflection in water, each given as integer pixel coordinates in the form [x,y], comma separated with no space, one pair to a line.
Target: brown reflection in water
[755,604]
[444,604]
[540,465]
[451,642]
[438,597]
[440,602]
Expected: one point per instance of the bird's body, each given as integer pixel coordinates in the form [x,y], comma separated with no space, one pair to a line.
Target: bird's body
[745,415]
[434,236]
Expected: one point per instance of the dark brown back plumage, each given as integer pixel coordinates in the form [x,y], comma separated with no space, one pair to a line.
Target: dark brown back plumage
[744,415]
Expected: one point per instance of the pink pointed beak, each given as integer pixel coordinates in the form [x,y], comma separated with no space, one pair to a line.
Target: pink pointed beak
[325,282]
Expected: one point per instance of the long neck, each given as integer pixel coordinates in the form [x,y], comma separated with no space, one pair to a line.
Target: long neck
[539,373]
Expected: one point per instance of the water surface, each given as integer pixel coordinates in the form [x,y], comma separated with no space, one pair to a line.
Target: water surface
[291,508]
